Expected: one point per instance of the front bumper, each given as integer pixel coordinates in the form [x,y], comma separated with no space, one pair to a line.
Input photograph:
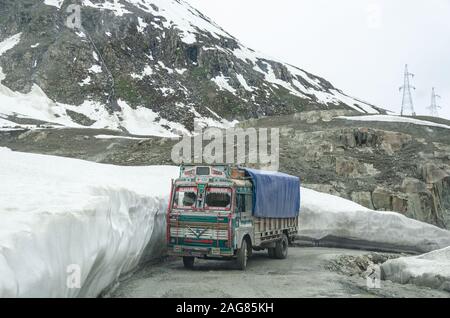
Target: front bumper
[183,250]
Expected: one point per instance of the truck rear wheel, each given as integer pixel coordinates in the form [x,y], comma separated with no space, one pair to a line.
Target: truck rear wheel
[271,252]
[281,247]
[188,262]
[242,254]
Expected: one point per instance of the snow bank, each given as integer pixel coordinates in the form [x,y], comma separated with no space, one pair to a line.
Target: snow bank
[60,214]
[330,220]
[431,270]
[395,119]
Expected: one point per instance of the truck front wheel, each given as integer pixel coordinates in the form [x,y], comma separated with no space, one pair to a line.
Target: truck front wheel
[188,262]
[271,252]
[281,247]
[242,255]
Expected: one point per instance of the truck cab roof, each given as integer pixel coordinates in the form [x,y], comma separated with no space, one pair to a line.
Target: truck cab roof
[216,175]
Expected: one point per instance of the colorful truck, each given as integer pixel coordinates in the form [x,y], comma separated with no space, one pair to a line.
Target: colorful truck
[226,212]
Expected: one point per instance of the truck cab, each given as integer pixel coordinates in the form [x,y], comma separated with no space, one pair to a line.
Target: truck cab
[211,216]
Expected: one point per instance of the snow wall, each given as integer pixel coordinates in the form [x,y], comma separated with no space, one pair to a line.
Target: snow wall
[63,217]
[327,220]
[58,212]
[430,270]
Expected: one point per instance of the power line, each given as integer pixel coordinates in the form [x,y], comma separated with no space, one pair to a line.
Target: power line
[407,101]
[434,106]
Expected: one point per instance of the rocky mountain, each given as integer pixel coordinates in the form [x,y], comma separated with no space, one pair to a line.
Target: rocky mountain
[143,66]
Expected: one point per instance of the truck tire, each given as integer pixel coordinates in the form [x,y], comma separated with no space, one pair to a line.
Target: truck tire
[188,262]
[271,252]
[241,261]
[281,247]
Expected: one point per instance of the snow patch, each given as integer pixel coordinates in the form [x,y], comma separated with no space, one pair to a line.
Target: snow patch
[142,121]
[223,84]
[243,83]
[395,119]
[113,5]
[168,69]
[141,25]
[271,78]
[9,43]
[355,104]
[80,34]
[118,137]
[54,3]
[86,81]
[181,71]
[146,72]
[166,91]
[95,69]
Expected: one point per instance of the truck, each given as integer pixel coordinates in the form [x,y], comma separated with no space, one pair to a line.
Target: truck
[226,212]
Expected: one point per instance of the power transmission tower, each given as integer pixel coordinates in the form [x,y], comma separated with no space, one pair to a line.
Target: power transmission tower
[407,102]
[434,106]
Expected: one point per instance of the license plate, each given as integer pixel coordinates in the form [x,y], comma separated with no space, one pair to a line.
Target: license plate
[215,251]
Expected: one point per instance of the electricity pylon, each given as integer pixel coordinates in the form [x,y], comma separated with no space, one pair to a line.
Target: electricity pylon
[434,106]
[407,102]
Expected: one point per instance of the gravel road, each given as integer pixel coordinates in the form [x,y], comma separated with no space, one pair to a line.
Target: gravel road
[303,274]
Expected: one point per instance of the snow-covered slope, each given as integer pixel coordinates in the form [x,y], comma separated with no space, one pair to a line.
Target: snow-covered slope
[332,220]
[431,269]
[57,212]
[36,105]
[146,66]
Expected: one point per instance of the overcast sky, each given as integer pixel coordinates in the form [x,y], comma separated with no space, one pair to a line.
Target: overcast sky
[361,46]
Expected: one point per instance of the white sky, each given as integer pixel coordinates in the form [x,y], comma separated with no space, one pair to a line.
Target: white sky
[361,46]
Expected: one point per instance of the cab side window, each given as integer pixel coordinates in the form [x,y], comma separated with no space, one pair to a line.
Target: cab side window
[244,203]
[241,203]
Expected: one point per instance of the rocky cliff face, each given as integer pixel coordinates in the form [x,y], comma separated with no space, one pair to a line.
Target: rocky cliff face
[139,64]
[387,166]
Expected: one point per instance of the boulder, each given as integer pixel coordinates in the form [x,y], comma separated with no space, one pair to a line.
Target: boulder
[382,199]
[412,185]
[393,142]
[432,173]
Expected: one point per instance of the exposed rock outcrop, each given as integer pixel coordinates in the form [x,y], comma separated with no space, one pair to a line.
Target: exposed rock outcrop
[386,166]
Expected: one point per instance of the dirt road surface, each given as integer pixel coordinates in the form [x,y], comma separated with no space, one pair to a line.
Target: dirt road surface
[303,274]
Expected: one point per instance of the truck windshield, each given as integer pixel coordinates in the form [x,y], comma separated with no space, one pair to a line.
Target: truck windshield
[218,198]
[185,197]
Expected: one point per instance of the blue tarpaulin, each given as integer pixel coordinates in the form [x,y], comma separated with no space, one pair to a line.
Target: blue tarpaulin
[275,195]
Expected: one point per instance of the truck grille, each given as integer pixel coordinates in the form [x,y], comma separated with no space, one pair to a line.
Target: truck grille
[198,233]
